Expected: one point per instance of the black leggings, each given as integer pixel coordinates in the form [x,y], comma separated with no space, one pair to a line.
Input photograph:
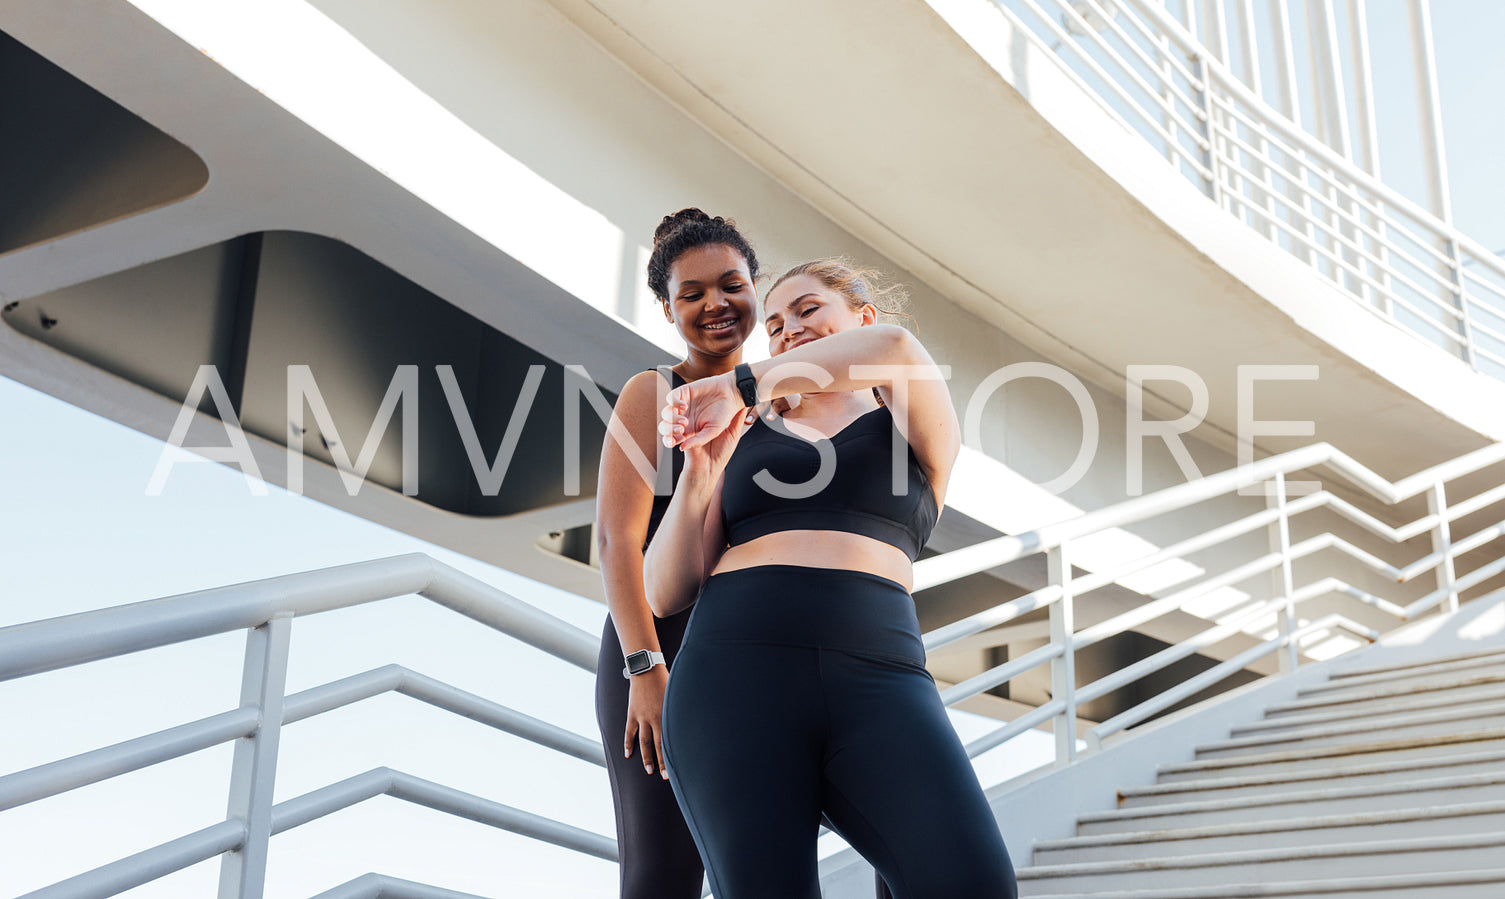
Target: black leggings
[802,690]
[658,859]
[657,855]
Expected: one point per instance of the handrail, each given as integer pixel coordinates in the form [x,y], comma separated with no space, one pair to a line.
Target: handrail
[266,609]
[45,645]
[1386,251]
[1002,550]
[1294,132]
[1059,595]
[217,839]
[1221,672]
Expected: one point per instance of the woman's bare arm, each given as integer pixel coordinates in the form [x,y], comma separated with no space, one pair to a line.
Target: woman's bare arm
[883,356]
[691,539]
[624,504]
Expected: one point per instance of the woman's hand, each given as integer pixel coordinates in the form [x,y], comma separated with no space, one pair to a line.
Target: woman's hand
[645,711]
[699,412]
[705,424]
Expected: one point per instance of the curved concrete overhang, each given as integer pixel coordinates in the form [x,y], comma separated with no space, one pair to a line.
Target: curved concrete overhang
[983,169]
[272,177]
[899,154]
[1090,261]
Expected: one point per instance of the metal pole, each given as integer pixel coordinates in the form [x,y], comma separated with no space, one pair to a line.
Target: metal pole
[1465,320]
[1332,125]
[1367,147]
[1063,667]
[1262,187]
[1217,28]
[1284,582]
[1442,541]
[1285,62]
[1327,78]
[1429,108]
[1210,157]
[254,770]
[1434,156]
[1367,130]
[1290,105]
[1168,117]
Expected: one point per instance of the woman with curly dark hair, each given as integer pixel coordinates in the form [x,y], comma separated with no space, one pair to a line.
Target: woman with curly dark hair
[702,272]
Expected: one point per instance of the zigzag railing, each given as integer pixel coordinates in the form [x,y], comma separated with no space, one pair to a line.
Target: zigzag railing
[266,609]
[1065,587]
[1401,261]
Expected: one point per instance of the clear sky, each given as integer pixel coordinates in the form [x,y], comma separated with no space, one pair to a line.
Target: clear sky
[80,533]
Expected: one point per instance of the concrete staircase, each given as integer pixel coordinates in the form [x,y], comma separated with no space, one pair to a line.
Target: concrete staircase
[1380,782]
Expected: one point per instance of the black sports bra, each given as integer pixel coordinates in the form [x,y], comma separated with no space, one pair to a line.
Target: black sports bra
[676,460]
[769,478]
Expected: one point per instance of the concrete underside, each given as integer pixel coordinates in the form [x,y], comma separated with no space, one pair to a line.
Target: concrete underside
[1016,196]
[1012,198]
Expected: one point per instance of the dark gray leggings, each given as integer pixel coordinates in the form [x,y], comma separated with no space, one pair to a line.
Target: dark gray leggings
[802,691]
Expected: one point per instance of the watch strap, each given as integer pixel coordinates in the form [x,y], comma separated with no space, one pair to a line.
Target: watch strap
[643,660]
[747,385]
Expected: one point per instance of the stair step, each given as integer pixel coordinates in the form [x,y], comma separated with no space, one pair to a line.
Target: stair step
[1363,731]
[1443,663]
[1480,884]
[1369,827]
[1436,854]
[1377,697]
[1428,683]
[1460,701]
[1333,775]
[1482,789]
[1308,758]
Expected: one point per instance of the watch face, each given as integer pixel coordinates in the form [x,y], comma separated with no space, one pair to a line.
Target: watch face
[639,662]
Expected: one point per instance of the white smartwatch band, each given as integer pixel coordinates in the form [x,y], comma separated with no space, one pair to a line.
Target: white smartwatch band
[641,662]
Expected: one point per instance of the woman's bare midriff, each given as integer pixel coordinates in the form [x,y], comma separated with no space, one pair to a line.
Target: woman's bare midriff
[821,549]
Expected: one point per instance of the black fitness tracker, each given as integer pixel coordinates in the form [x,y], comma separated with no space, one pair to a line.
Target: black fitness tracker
[747,385]
[641,662]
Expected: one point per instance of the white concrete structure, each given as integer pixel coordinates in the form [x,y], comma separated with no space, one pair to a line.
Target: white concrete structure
[467,188]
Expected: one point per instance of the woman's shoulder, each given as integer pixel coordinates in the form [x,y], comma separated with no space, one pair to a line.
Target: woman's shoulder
[638,403]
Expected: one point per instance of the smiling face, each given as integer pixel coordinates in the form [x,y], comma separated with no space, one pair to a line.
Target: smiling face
[712,301]
[802,308]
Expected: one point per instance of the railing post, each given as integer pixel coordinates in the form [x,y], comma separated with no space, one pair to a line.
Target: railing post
[1168,117]
[253,774]
[1262,188]
[1063,667]
[1465,322]
[1290,105]
[1442,541]
[1210,157]
[1285,587]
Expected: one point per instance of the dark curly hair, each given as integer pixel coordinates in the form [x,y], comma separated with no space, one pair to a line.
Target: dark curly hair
[685,230]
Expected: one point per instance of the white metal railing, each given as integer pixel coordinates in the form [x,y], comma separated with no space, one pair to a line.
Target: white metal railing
[1318,197]
[266,609]
[1064,588]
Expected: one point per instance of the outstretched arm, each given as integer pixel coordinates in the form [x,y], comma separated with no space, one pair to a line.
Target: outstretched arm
[883,356]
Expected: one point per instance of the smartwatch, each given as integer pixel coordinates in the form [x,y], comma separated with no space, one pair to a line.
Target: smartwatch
[747,385]
[641,662]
